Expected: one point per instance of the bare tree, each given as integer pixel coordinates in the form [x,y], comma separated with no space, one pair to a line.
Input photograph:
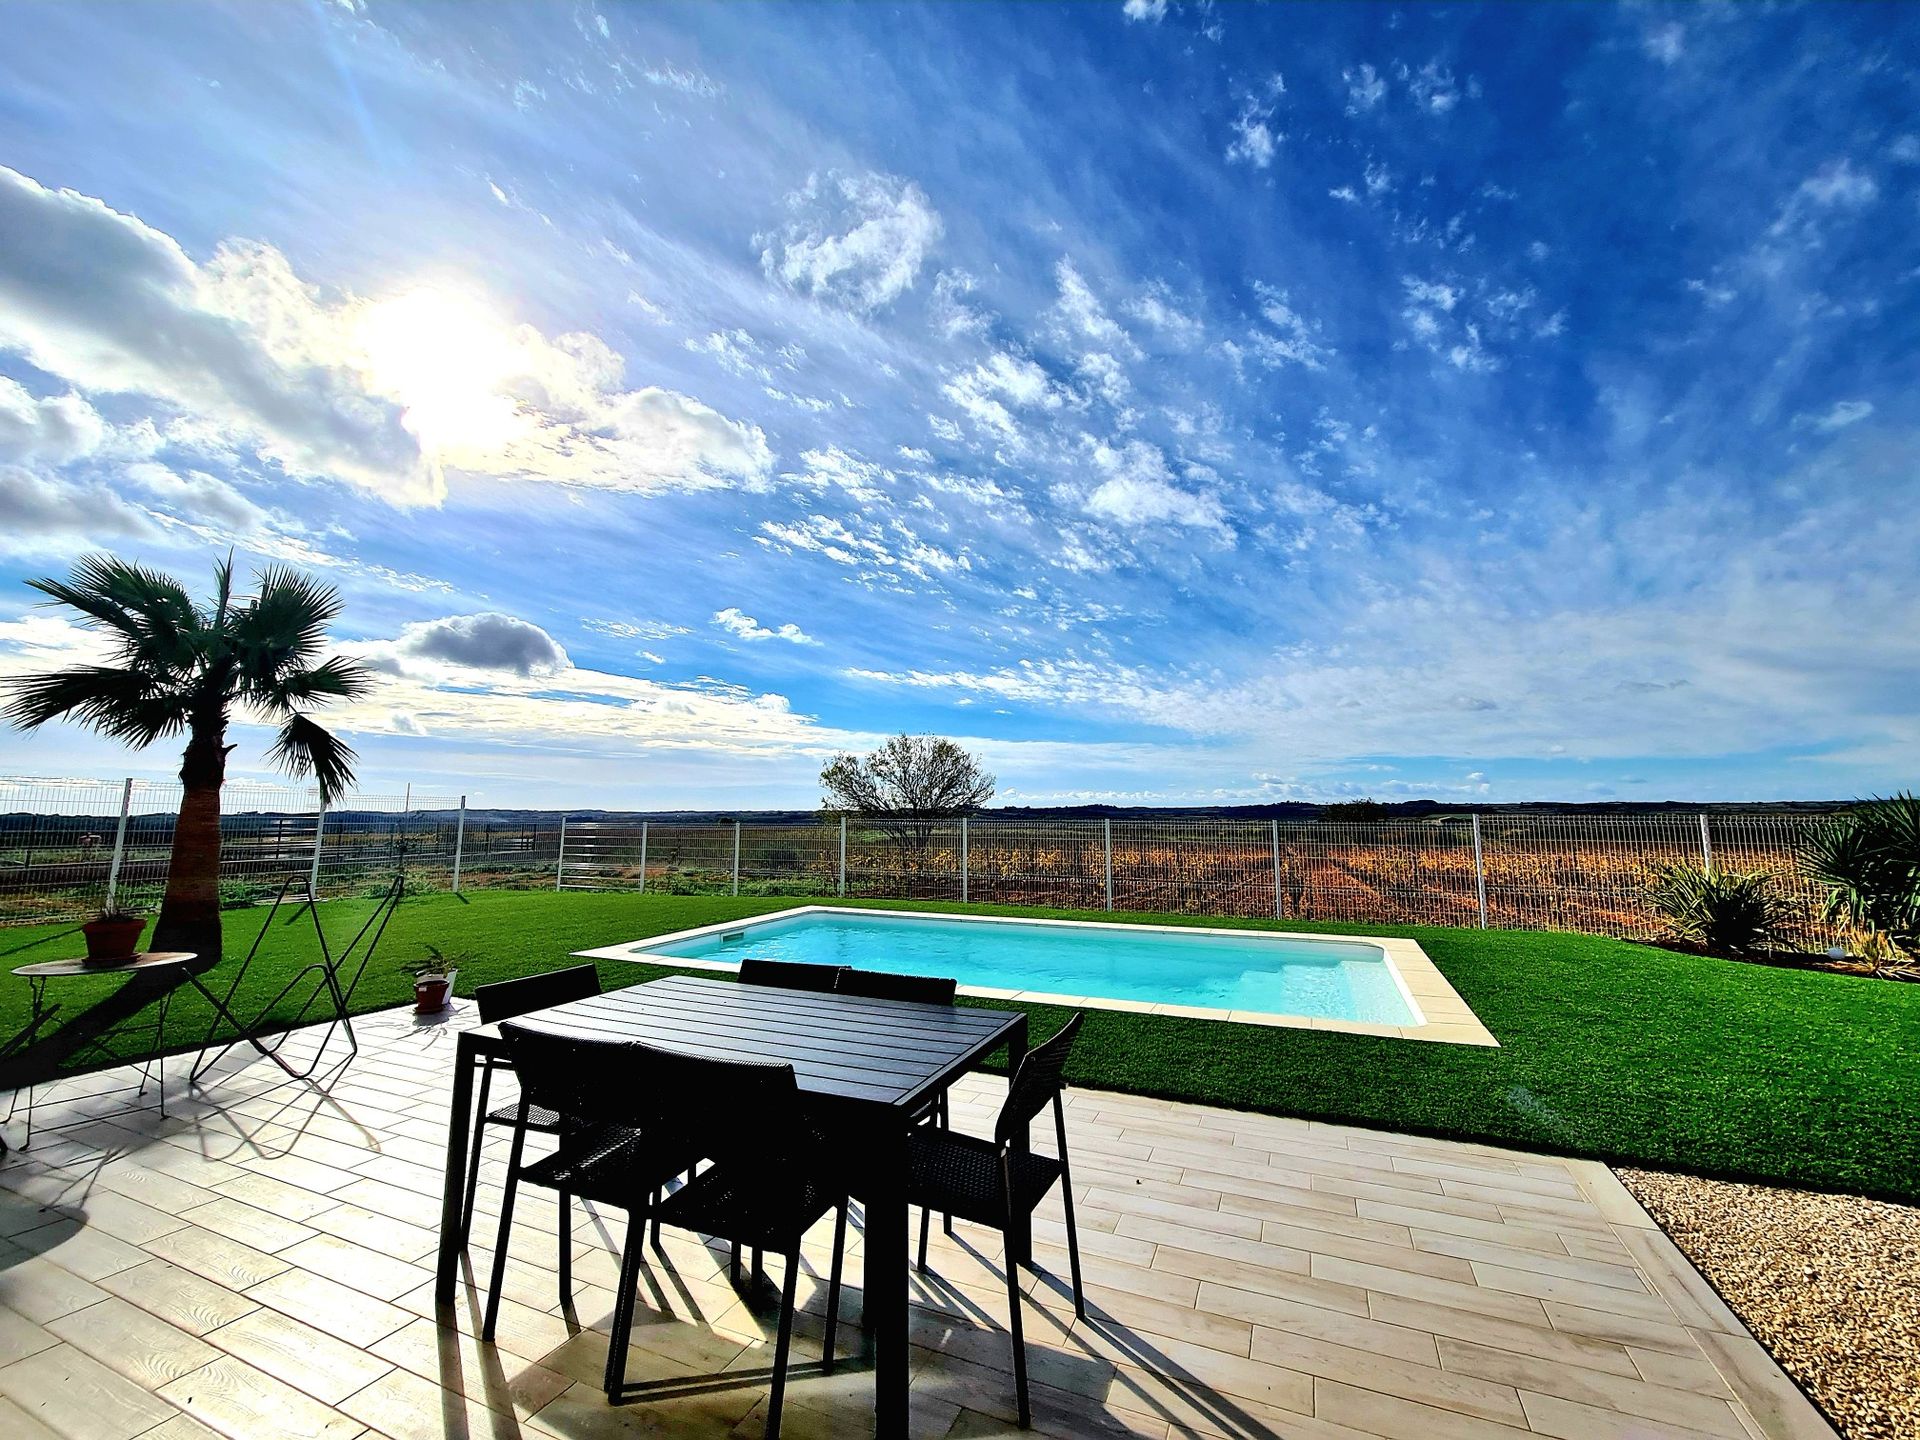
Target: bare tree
[906,787]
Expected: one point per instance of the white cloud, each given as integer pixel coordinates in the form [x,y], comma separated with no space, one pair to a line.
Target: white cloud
[1431,293]
[853,240]
[864,482]
[1843,414]
[112,306]
[686,81]
[1145,10]
[1106,376]
[992,390]
[1666,43]
[747,628]
[201,499]
[878,553]
[1081,311]
[1255,140]
[44,514]
[1365,88]
[952,316]
[1290,341]
[49,431]
[1432,87]
[1838,184]
[387,394]
[1156,307]
[735,351]
[631,630]
[1140,491]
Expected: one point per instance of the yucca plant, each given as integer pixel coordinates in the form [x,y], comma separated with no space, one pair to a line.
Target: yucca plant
[180,668]
[1726,911]
[1869,860]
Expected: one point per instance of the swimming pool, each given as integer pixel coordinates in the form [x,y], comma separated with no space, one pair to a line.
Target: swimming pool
[1138,966]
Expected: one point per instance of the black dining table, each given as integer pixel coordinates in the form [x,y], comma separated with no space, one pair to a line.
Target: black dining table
[866,1067]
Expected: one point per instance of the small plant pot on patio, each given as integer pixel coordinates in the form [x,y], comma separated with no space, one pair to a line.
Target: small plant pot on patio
[113,935]
[433,980]
[432,991]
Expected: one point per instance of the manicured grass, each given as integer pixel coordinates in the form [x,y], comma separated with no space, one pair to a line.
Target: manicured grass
[1607,1049]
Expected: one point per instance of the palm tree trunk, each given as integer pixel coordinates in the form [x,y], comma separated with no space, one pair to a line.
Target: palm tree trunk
[190,913]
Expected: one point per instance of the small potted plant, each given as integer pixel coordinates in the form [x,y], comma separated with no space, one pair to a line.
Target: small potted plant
[433,980]
[113,933]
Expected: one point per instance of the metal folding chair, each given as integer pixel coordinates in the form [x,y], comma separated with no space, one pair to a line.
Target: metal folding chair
[329,969]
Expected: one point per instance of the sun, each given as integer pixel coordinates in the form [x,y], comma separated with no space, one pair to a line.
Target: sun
[445,357]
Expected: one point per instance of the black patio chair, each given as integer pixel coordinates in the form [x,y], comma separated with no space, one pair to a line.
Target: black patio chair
[603,1154]
[885,985]
[988,1182]
[920,989]
[503,1000]
[924,990]
[774,1174]
[791,974]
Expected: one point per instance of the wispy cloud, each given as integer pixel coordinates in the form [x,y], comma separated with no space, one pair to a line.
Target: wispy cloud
[745,627]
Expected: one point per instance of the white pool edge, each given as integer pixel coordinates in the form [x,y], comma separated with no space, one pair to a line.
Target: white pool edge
[1441,1014]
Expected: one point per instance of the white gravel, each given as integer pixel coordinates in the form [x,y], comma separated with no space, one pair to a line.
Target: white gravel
[1829,1283]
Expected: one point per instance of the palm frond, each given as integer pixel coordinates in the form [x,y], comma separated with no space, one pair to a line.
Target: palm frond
[306,748]
[335,678]
[279,632]
[149,612]
[290,614]
[216,618]
[129,704]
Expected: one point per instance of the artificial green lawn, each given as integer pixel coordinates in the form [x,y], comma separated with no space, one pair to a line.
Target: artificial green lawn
[1608,1049]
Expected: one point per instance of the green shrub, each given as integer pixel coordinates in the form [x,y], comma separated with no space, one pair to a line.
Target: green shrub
[1869,860]
[1729,912]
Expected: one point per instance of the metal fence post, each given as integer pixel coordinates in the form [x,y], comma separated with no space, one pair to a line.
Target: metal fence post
[843,855]
[963,859]
[1279,910]
[736,857]
[1479,871]
[459,843]
[119,842]
[1106,827]
[560,864]
[1706,844]
[319,834]
[643,857]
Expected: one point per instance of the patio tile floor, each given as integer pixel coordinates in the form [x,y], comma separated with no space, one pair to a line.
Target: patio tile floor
[259,1263]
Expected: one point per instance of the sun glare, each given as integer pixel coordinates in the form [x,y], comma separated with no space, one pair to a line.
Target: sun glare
[444,356]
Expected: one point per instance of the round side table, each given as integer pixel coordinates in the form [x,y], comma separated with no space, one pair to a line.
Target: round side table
[144,962]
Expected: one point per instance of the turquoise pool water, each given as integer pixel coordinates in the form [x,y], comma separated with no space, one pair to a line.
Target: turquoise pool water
[1279,975]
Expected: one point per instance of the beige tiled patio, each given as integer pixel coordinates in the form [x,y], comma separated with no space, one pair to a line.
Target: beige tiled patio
[258,1263]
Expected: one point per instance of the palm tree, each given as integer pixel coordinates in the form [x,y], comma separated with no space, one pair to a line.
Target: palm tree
[182,668]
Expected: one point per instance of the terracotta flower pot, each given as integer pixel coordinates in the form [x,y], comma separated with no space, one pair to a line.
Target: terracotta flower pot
[114,939]
[431,992]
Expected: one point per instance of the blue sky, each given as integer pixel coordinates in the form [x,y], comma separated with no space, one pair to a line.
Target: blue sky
[1180,402]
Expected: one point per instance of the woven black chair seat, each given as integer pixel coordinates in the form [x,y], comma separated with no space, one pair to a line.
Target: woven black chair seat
[609,1165]
[539,1118]
[740,1206]
[960,1175]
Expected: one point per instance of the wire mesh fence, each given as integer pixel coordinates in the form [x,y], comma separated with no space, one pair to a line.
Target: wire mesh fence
[1527,871]
[70,846]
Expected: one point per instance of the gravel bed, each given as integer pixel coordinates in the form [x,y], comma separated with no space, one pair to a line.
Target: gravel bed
[1829,1283]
